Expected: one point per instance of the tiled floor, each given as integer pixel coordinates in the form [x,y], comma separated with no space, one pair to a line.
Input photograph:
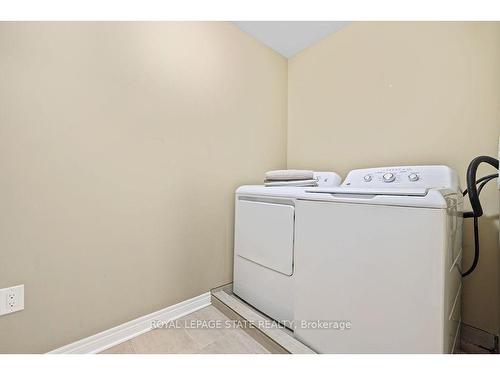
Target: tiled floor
[193,340]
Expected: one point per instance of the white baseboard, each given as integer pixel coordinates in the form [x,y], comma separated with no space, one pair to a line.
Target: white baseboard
[116,335]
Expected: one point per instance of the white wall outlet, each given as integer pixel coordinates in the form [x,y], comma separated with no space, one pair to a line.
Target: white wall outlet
[11,299]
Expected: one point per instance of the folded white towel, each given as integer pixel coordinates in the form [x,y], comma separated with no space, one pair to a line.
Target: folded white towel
[289,175]
[302,183]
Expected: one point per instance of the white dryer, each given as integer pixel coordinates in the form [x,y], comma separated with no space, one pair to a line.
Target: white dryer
[382,254]
[264,243]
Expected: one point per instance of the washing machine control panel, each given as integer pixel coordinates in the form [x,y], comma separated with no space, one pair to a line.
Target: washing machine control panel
[384,176]
[429,176]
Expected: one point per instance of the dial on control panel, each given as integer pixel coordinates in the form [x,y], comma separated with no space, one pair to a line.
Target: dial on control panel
[413,177]
[388,177]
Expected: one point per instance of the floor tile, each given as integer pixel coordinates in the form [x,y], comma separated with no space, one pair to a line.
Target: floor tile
[165,341]
[123,348]
[186,338]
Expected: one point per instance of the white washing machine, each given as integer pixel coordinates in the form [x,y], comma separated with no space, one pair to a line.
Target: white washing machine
[264,245]
[382,255]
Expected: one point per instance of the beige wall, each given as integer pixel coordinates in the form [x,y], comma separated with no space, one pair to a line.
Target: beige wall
[121,145]
[386,93]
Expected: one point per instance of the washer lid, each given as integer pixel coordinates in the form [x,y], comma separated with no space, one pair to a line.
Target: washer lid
[403,197]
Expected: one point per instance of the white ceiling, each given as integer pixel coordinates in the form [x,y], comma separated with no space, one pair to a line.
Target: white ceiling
[289,37]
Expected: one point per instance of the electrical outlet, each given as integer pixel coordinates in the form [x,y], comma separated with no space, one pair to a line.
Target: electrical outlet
[11,299]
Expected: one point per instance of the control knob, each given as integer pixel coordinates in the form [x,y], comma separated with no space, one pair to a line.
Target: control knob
[413,177]
[388,177]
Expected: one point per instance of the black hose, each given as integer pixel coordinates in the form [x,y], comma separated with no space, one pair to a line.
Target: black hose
[476,249]
[471,182]
[477,210]
[488,177]
[484,181]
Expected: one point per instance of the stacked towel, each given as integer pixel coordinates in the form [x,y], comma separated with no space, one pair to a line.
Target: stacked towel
[290,177]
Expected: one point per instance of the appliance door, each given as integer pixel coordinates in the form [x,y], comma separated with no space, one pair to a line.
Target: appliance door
[264,234]
[380,268]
